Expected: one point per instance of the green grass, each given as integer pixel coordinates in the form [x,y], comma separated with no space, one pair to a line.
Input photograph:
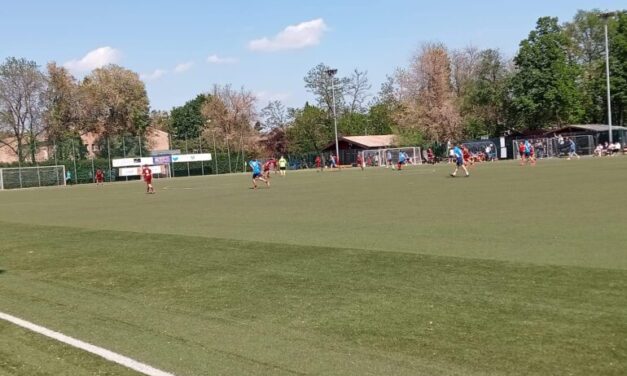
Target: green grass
[514,271]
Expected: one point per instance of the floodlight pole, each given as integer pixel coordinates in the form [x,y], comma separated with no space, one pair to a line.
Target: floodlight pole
[331,73]
[606,16]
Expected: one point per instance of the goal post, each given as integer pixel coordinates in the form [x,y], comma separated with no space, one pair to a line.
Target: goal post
[30,177]
[379,157]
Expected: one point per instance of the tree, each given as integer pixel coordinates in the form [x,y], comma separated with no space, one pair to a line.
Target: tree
[544,87]
[484,105]
[230,118]
[22,105]
[318,82]
[618,69]
[274,116]
[160,120]
[65,115]
[428,110]
[357,91]
[463,68]
[310,130]
[187,121]
[116,102]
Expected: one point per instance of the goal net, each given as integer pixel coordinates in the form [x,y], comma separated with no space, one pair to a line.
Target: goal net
[414,156]
[379,158]
[28,177]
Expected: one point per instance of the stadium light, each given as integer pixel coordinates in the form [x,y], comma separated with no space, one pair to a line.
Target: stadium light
[331,73]
[606,17]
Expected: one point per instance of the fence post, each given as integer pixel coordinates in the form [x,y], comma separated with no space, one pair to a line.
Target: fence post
[202,164]
[187,152]
[74,159]
[109,157]
[215,156]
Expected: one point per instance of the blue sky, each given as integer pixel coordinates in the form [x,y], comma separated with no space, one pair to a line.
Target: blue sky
[182,48]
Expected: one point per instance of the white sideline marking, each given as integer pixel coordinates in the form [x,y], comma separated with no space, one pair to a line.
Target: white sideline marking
[103,353]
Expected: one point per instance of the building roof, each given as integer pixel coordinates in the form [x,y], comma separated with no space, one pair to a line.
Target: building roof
[588,127]
[371,142]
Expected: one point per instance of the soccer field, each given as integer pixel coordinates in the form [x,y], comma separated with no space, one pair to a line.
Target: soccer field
[513,271]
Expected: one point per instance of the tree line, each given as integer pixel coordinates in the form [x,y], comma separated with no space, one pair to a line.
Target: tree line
[557,77]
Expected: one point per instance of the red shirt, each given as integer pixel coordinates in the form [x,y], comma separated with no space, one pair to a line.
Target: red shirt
[147,173]
[99,174]
[266,166]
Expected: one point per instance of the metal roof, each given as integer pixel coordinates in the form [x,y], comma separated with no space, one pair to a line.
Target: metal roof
[376,141]
[590,127]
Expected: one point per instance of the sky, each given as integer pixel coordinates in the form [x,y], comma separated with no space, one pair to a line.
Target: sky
[181,48]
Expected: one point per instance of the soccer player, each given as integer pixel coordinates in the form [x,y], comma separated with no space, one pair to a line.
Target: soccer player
[521,152]
[147,175]
[459,161]
[318,162]
[467,157]
[267,166]
[388,157]
[360,161]
[282,165]
[256,167]
[572,149]
[99,177]
[402,159]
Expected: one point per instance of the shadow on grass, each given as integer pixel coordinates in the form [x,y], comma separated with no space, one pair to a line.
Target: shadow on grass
[2,271]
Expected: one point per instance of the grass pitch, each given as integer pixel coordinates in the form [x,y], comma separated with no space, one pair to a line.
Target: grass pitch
[511,271]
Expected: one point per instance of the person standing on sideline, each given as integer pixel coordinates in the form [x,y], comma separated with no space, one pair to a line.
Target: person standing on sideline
[282,165]
[459,161]
[572,149]
[256,167]
[388,158]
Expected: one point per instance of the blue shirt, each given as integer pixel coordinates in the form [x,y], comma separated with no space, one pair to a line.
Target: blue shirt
[572,145]
[256,166]
[458,152]
[401,157]
[527,147]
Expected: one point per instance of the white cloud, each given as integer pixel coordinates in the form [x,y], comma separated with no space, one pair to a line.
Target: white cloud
[304,34]
[154,75]
[183,67]
[94,59]
[215,59]
[267,96]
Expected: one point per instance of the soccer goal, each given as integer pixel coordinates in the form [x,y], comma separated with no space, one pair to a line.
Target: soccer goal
[28,177]
[373,158]
[414,155]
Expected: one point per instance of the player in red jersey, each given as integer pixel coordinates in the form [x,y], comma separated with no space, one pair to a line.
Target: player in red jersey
[99,177]
[466,154]
[318,163]
[521,152]
[147,175]
[360,161]
[267,166]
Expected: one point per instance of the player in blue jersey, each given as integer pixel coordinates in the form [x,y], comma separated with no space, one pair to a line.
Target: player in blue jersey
[402,159]
[459,160]
[255,165]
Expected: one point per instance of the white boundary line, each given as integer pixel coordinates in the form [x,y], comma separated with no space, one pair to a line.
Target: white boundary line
[103,353]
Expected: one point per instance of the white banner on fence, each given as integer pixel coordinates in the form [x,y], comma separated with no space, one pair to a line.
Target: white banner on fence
[125,162]
[191,157]
[137,171]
